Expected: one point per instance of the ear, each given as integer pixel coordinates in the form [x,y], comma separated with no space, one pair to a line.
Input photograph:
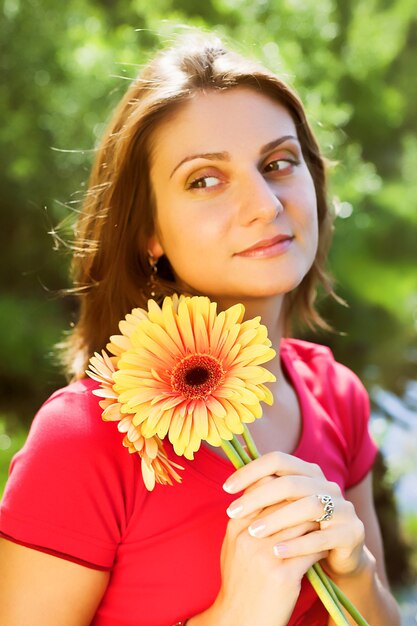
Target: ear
[154,247]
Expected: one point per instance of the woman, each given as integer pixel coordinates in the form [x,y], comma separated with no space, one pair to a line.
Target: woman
[208,181]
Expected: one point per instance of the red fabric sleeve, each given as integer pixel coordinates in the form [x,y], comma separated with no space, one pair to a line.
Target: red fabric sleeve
[354,412]
[72,487]
[345,431]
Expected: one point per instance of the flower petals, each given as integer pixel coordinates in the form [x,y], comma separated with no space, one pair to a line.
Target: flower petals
[184,371]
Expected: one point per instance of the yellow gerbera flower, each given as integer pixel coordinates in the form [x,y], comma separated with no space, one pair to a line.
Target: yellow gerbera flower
[190,372]
[156,466]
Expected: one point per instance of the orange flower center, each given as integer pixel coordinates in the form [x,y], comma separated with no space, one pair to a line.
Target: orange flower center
[197,375]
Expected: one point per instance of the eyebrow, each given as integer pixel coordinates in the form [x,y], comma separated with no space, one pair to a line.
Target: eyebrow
[225,156]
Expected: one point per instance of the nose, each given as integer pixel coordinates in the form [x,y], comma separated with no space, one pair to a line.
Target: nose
[259,200]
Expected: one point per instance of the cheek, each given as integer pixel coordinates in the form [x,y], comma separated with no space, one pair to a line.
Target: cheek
[313,220]
[314,230]
[306,212]
[307,219]
[193,228]
[184,239]
[310,206]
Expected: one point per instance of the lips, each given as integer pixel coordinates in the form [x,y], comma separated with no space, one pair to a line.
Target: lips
[267,243]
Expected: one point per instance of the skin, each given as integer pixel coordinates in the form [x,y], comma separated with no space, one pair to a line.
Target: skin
[209,209]
[38,589]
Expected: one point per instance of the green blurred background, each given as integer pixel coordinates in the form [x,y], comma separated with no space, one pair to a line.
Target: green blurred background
[65,65]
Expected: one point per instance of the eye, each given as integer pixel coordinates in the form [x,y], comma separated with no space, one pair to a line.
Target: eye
[281,165]
[203,182]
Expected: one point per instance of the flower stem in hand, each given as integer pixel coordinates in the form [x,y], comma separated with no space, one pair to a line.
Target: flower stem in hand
[241,451]
[332,606]
[232,454]
[252,449]
[351,608]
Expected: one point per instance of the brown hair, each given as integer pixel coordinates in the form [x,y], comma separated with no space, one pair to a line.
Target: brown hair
[110,266]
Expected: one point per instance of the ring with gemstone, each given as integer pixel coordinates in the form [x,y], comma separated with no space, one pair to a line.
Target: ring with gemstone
[328,508]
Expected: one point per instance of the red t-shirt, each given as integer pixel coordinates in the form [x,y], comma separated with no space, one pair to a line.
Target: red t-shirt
[76,492]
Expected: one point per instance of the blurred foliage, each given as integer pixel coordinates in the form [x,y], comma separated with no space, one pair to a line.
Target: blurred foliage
[396,537]
[410,534]
[11,440]
[66,65]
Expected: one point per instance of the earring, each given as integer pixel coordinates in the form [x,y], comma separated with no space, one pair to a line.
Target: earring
[152,283]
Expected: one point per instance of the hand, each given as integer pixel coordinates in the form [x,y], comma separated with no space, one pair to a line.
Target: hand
[280,502]
[257,586]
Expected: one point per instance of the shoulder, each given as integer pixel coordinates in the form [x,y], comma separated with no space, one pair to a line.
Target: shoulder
[69,435]
[73,487]
[343,401]
[321,372]
[72,415]
[75,404]
[312,354]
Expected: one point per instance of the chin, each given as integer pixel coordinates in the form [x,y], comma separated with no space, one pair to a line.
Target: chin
[275,288]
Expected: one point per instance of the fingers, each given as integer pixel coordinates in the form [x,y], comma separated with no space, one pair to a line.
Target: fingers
[307,510]
[347,553]
[280,504]
[286,488]
[273,463]
[342,539]
[296,531]
[303,563]
[242,529]
[308,550]
[312,543]
[294,514]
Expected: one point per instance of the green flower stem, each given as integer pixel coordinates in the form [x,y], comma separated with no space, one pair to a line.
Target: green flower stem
[338,594]
[232,454]
[351,608]
[240,451]
[333,608]
[326,582]
[253,451]
[329,593]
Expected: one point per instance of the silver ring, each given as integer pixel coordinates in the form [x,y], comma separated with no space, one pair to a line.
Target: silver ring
[328,508]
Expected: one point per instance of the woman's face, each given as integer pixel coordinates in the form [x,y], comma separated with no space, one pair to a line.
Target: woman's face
[236,211]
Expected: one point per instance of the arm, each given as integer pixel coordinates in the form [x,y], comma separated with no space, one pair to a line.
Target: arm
[44,590]
[368,589]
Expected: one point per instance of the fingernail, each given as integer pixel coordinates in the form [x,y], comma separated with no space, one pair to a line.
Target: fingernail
[256,529]
[229,486]
[234,510]
[280,549]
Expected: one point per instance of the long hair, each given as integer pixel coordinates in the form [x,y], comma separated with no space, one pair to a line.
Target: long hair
[110,266]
